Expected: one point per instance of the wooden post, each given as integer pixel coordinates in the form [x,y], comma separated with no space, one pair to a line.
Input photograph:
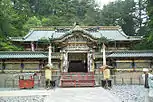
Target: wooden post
[115,80]
[122,81]
[13,83]
[5,83]
[131,81]
[139,81]
[99,75]
[106,71]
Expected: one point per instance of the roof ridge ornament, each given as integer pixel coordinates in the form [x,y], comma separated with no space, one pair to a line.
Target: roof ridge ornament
[77,27]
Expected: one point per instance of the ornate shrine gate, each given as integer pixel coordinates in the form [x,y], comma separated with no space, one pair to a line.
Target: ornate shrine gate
[78,63]
[77,55]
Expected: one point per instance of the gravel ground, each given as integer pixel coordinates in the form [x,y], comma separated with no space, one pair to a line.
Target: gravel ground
[129,93]
[22,99]
[126,93]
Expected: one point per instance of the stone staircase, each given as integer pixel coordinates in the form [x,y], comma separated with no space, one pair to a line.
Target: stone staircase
[77,79]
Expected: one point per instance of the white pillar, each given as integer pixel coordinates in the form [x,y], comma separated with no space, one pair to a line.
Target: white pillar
[91,61]
[104,55]
[49,55]
[88,58]
[106,71]
[65,61]
[32,46]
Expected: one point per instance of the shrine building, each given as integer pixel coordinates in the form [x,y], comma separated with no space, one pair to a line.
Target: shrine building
[75,49]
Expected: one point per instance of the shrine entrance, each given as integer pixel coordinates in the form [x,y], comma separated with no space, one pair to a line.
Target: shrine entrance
[77,62]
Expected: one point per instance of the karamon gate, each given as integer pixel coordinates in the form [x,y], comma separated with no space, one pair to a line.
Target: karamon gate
[78,59]
[78,55]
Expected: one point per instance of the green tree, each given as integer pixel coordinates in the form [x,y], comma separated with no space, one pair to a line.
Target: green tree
[5,18]
[102,40]
[32,22]
[120,13]
[142,17]
[148,39]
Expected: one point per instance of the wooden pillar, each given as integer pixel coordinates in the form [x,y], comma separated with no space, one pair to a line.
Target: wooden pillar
[40,66]
[133,65]
[32,46]
[106,70]
[21,66]
[151,63]
[61,62]
[93,65]
[115,45]
[90,60]
[65,61]
[3,65]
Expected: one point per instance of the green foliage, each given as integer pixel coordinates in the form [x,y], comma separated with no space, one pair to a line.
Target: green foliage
[102,40]
[120,13]
[32,22]
[147,43]
[44,41]
[18,16]
[5,12]
[6,45]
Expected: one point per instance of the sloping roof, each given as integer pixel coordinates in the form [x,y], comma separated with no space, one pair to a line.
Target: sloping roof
[110,32]
[128,54]
[27,54]
[57,55]
[100,54]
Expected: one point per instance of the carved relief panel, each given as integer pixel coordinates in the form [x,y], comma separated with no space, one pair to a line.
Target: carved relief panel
[77,42]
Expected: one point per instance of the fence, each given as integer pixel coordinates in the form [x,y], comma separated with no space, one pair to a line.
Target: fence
[129,81]
[120,80]
[40,81]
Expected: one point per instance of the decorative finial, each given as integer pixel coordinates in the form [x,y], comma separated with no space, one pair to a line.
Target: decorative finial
[76,23]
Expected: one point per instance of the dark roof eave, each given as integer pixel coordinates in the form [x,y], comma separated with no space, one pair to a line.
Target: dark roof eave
[131,57]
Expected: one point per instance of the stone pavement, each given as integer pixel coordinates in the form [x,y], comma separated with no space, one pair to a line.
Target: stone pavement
[96,94]
[151,95]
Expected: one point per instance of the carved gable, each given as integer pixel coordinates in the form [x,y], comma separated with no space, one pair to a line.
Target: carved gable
[77,41]
[77,37]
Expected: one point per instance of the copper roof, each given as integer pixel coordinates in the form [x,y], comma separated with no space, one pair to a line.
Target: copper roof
[113,33]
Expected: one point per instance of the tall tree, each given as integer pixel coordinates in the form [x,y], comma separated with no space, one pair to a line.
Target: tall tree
[148,39]
[142,17]
[150,23]
[6,26]
[5,17]
[120,13]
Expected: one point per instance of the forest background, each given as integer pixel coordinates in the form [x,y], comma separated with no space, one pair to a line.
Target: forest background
[18,16]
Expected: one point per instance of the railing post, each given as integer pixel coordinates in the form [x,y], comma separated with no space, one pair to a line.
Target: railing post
[131,81]
[5,83]
[115,80]
[99,76]
[122,81]
[13,82]
[139,81]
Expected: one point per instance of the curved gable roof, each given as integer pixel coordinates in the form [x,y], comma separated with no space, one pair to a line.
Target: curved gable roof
[76,29]
[111,33]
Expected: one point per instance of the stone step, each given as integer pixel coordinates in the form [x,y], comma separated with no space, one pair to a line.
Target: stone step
[77,79]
